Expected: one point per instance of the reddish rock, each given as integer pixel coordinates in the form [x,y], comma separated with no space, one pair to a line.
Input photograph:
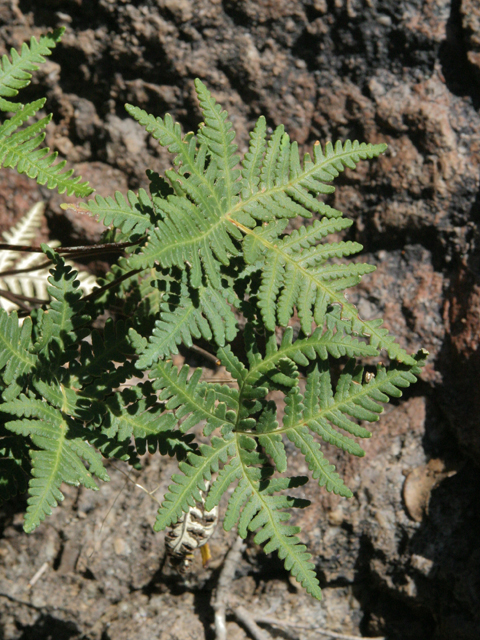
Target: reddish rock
[18,194]
[470,11]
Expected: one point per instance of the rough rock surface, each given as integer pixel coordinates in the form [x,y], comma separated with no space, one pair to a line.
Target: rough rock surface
[402,558]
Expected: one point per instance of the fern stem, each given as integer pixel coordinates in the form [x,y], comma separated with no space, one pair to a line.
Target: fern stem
[110,285]
[17,298]
[205,354]
[85,249]
[14,272]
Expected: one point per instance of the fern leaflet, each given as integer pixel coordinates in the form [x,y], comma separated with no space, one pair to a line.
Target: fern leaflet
[20,150]
[16,75]
[185,492]
[16,359]
[186,315]
[62,448]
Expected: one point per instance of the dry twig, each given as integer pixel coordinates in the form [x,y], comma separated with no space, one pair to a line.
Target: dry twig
[226,576]
[324,632]
[242,615]
[38,575]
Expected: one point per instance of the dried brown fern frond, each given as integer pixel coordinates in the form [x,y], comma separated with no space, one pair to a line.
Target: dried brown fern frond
[25,276]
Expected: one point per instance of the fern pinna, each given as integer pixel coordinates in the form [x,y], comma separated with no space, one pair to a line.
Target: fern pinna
[213,263]
[19,147]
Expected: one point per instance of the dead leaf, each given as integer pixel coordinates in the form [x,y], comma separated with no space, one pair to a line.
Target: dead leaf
[420,483]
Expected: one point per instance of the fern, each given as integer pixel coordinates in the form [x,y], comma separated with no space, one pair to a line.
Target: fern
[210,263]
[136,213]
[16,360]
[19,149]
[41,368]
[62,447]
[319,412]
[15,75]
[188,314]
[14,465]
[27,276]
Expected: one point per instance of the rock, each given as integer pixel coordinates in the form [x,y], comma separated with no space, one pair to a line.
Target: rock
[471,25]
[419,485]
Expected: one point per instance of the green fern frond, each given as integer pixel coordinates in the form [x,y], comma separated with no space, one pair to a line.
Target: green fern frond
[21,117]
[302,279]
[211,207]
[14,465]
[195,221]
[187,397]
[201,313]
[31,135]
[242,214]
[198,469]
[199,224]
[321,344]
[16,359]
[134,213]
[217,134]
[59,458]
[245,418]
[169,135]
[196,229]
[16,74]
[263,512]
[20,151]
[289,279]
[352,398]
[254,507]
[63,323]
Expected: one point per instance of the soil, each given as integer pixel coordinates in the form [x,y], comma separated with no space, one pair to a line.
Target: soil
[401,559]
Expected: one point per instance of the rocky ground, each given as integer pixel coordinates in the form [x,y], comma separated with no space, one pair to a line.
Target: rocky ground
[401,559]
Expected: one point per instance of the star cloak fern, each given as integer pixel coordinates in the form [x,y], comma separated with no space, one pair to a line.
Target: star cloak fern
[215,214]
[218,247]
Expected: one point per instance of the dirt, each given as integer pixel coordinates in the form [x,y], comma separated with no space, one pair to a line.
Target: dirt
[397,560]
